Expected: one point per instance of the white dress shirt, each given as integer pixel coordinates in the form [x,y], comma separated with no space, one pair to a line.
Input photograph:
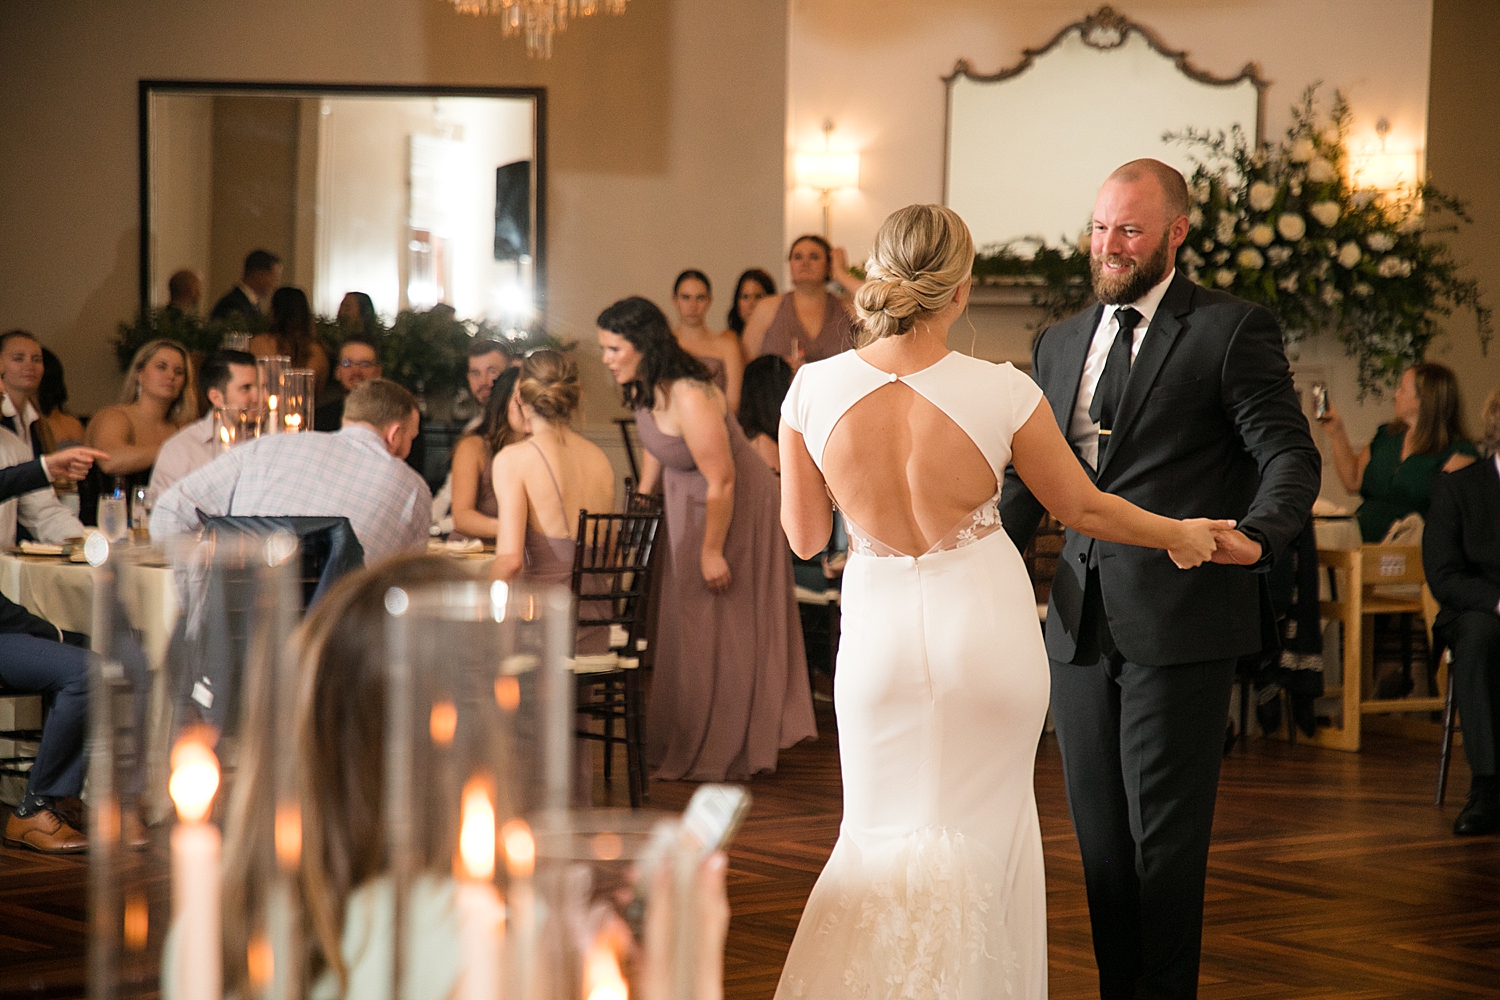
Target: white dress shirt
[1083,433]
[28,417]
[190,448]
[40,510]
[313,474]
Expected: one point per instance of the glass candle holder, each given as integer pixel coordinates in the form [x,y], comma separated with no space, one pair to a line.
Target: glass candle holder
[297,389]
[269,372]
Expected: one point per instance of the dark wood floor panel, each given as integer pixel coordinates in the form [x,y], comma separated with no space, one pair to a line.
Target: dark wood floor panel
[1332,877]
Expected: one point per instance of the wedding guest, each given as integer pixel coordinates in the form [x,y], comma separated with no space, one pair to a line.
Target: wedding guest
[487,359]
[807,323]
[476,510]
[767,380]
[184,291]
[291,335]
[38,514]
[731,687]
[357,315]
[51,395]
[692,296]
[358,362]
[347,893]
[358,473]
[753,286]
[22,366]
[248,299]
[159,399]
[1394,472]
[1461,558]
[230,380]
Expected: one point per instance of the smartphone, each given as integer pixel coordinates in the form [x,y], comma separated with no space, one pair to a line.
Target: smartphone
[1320,400]
[708,823]
[714,814]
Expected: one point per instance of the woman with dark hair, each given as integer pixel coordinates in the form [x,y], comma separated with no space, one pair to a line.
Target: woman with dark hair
[753,286]
[807,323]
[51,394]
[476,511]
[1394,473]
[291,335]
[357,315]
[731,686]
[692,295]
[767,380]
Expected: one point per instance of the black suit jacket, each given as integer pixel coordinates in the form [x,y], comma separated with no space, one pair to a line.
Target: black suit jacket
[1209,426]
[14,481]
[235,301]
[1461,542]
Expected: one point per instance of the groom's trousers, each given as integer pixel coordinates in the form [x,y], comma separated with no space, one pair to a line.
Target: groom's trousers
[1141,747]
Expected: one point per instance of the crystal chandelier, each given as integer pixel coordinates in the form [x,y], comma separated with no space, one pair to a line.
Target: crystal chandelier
[538,20]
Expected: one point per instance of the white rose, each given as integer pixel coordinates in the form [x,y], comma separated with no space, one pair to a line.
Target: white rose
[1294,186]
[1190,257]
[1258,158]
[1326,212]
[1221,256]
[1201,191]
[1349,254]
[1208,246]
[1262,196]
[1291,227]
[1320,171]
[1331,135]
[1279,255]
[1225,228]
[1195,217]
[1363,290]
[1331,247]
[1261,234]
[1388,267]
[1380,242]
[1223,278]
[1363,197]
[1411,224]
[1250,258]
[1322,269]
[1329,295]
[1288,284]
[1301,151]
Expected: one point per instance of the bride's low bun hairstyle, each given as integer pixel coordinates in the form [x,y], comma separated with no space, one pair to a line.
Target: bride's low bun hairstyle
[549,385]
[922,254]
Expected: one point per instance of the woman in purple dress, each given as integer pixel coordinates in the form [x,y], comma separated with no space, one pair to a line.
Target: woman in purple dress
[730,687]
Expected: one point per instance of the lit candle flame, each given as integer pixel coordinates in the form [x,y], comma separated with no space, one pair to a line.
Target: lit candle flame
[288,835]
[224,436]
[271,401]
[442,722]
[602,979]
[520,848]
[508,693]
[476,832]
[195,779]
[294,420]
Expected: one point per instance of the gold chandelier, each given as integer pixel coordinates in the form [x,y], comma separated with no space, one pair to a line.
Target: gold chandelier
[538,20]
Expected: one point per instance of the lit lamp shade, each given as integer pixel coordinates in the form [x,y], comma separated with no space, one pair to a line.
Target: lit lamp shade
[1384,171]
[827,171]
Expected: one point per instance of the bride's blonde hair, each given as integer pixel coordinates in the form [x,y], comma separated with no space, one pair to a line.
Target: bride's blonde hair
[922,254]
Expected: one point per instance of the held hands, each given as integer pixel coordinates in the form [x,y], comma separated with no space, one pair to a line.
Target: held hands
[73,464]
[715,571]
[1198,541]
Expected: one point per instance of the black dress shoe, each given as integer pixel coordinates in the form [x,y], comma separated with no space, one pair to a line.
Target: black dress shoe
[1481,815]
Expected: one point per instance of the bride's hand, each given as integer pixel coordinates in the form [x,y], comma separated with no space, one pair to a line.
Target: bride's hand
[1196,541]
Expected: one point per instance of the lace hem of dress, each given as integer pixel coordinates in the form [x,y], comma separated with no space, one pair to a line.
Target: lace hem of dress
[927,929]
[980,523]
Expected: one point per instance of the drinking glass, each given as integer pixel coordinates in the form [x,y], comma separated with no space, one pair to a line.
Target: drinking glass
[114,518]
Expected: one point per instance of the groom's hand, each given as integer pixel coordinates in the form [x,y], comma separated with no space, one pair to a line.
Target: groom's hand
[1235,549]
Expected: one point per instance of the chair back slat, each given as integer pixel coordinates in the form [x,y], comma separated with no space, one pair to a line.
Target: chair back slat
[611,569]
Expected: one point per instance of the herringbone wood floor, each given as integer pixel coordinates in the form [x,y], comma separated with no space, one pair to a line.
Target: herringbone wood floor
[1332,876]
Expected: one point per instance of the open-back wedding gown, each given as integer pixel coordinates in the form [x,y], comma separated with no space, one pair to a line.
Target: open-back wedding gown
[935,887]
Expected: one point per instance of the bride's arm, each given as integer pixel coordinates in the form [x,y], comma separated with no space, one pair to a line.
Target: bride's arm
[1051,471]
[806,511]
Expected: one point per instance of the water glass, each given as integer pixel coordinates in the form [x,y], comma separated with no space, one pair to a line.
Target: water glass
[114,518]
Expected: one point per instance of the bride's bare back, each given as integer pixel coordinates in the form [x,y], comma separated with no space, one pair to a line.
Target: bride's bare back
[903,471]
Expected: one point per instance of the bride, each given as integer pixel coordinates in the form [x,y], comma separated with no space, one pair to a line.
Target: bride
[935,886]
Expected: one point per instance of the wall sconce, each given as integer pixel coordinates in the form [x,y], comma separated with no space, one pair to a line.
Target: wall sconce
[827,172]
[1391,173]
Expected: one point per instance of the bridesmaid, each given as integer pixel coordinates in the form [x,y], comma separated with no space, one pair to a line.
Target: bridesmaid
[692,296]
[753,287]
[476,509]
[731,685]
[807,323]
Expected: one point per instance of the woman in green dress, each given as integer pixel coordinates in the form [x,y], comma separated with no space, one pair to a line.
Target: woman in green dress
[1395,471]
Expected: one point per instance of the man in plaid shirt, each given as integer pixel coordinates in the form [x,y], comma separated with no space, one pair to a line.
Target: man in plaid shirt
[358,472]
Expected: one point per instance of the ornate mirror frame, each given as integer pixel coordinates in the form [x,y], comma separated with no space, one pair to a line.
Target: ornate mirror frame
[1015,169]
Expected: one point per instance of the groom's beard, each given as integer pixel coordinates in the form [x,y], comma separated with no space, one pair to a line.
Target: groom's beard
[1140,278]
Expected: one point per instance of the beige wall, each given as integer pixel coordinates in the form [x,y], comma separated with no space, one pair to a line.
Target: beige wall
[666,132]
[255,152]
[181,192]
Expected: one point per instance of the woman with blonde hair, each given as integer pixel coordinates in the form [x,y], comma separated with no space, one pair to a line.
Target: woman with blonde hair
[159,398]
[943,679]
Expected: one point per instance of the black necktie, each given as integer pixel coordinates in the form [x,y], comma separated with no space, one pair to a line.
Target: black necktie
[1111,387]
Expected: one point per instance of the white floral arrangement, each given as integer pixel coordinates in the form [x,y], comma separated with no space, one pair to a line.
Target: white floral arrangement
[1283,226]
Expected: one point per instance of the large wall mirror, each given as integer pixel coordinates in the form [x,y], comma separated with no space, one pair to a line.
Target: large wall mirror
[416,196]
[1028,146]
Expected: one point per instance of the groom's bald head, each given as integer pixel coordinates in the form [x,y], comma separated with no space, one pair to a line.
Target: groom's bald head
[1169,181]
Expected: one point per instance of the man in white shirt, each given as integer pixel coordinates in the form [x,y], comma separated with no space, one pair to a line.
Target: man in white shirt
[229,378]
[358,472]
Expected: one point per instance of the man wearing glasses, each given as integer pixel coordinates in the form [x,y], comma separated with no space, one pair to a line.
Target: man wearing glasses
[358,362]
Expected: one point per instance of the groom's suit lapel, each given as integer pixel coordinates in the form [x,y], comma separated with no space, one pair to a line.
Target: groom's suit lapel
[1165,327]
[1073,353]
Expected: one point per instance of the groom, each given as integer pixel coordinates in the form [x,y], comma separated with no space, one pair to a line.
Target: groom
[1179,399]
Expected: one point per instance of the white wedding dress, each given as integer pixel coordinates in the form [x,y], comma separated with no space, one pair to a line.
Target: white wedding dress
[935,887]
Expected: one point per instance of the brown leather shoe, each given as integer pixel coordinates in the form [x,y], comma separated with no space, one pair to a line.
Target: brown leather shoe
[44,831]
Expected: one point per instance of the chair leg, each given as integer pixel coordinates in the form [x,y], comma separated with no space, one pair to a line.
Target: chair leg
[635,756]
[609,736]
[1291,720]
[1445,752]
